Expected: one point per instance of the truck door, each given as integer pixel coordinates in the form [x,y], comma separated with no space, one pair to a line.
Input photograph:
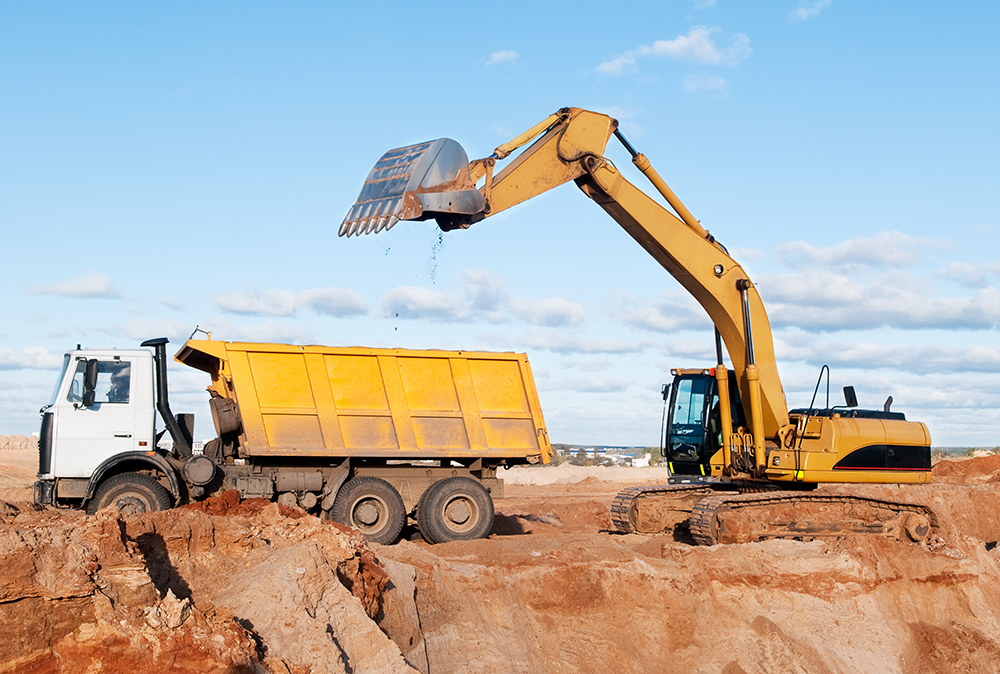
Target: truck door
[86,436]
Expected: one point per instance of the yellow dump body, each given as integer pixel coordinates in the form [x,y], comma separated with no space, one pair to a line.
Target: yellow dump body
[381,403]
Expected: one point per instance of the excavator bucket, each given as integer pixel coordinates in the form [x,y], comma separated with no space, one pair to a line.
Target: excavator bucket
[417,182]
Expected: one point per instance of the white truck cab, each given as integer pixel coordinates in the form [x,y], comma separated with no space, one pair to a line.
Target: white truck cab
[98,437]
[120,417]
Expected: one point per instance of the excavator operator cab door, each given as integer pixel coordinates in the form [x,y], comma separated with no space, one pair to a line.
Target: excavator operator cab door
[694,423]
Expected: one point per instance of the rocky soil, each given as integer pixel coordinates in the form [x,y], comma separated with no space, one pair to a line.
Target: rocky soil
[255,587]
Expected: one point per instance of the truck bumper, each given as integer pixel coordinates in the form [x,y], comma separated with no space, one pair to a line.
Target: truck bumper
[43,492]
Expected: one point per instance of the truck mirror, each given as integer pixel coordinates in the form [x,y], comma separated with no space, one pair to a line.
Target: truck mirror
[850,397]
[665,392]
[89,383]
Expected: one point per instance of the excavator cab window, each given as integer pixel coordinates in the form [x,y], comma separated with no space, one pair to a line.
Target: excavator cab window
[695,422]
[686,435]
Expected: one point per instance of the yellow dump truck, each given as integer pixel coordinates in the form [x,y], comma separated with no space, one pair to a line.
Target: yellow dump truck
[367,437]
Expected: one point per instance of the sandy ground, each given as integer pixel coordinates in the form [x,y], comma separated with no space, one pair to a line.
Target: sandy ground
[17,473]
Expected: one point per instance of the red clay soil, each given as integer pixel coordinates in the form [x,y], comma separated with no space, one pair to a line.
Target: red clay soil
[976,469]
[234,586]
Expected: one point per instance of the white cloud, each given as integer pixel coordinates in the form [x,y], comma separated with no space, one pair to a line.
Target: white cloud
[253,302]
[550,312]
[816,299]
[330,301]
[862,284]
[419,302]
[567,343]
[334,301]
[272,331]
[970,275]
[484,297]
[486,290]
[703,82]
[920,359]
[503,56]
[697,47]
[277,331]
[887,249]
[673,312]
[29,358]
[619,65]
[602,384]
[139,330]
[702,350]
[92,284]
[807,9]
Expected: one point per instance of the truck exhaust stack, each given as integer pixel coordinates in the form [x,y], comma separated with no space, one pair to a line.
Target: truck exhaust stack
[416,182]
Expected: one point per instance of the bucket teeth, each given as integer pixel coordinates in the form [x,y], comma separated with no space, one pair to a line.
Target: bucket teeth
[372,216]
[386,223]
[415,182]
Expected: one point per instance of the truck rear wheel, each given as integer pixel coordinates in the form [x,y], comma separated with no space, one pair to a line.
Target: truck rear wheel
[372,506]
[131,493]
[455,509]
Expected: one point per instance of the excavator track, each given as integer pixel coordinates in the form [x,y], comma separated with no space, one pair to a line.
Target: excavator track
[654,509]
[671,505]
[743,518]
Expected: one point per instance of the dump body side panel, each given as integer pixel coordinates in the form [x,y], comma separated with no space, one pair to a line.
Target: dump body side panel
[381,403]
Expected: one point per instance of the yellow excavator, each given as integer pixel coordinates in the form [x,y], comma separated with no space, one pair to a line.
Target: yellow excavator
[743,467]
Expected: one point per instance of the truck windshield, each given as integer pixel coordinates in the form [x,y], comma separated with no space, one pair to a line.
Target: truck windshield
[59,381]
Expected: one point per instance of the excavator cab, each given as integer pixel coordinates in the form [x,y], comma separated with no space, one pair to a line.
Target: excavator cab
[694,422]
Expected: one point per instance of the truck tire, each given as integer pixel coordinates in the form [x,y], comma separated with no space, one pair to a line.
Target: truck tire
[455,509]
[132,493]
[372,506]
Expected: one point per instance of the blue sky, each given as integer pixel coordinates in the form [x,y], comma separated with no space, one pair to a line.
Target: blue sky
[167,166]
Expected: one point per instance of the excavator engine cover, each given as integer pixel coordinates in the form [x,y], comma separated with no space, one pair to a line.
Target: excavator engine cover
[417,182]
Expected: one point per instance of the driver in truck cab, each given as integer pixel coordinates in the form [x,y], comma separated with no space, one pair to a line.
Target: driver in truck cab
[118,392]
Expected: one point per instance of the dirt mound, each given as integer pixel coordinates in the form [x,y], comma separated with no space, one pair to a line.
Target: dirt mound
[975,469]
[18,442]
[187,591]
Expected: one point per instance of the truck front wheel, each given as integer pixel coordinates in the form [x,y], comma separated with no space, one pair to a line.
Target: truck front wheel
[455,509]
[131,493]
[373,506]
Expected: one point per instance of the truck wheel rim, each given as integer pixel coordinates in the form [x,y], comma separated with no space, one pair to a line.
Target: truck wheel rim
[461,514]
[131,505]
[370,513]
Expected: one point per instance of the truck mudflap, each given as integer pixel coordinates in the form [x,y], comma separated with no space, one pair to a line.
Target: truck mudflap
[43,492]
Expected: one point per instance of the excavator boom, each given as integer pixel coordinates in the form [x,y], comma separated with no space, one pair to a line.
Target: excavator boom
[569,146]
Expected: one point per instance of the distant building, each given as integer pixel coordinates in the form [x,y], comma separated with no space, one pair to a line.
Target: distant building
[641,461]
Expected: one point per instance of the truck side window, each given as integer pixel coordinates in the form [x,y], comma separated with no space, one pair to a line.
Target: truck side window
[119,379]
[113,382]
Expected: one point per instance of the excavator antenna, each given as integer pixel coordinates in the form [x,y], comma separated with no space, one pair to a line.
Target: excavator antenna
[417,182]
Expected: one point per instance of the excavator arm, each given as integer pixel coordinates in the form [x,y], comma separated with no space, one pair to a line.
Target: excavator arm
[435,180]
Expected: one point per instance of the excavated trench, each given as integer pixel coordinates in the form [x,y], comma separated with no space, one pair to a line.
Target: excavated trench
[251,586]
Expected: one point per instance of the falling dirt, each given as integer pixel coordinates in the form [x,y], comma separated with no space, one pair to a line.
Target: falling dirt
[250,586]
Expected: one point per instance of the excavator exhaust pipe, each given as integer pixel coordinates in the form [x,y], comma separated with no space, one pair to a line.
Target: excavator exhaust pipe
[417,182]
